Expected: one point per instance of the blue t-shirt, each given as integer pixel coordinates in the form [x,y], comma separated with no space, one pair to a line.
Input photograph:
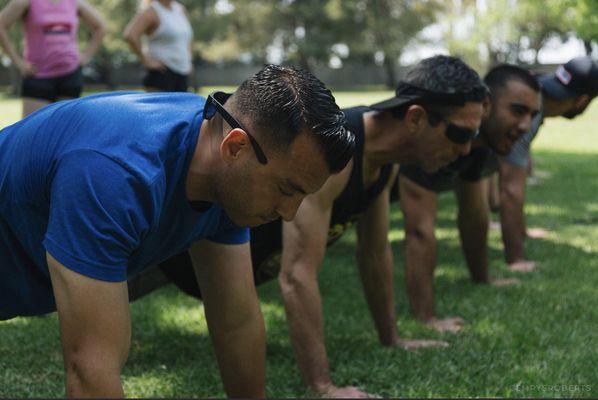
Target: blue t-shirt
[99,183]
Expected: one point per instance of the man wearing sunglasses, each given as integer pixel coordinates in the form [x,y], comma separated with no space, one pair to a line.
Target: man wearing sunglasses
[431,120]
[94,191]
[514,102]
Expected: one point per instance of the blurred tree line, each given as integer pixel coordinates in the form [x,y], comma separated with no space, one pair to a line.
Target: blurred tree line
[333,32]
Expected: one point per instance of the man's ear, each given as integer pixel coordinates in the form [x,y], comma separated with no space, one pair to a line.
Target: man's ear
[233,144]
[487,105]
[582,101]
[415,118]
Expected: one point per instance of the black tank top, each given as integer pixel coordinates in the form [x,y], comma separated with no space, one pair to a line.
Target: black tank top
[355,198]
[266,240]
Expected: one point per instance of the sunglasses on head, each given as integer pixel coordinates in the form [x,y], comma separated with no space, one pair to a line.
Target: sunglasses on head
[455,133]
[214,103]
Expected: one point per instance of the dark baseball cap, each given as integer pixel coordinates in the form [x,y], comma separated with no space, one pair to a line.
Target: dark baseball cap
[577,77]
[407,93]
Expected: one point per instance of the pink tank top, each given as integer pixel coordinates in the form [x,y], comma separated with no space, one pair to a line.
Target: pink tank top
[51,37]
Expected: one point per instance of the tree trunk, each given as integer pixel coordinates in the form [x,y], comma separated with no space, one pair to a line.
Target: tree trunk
[303,61]
[389,69]
[587,44]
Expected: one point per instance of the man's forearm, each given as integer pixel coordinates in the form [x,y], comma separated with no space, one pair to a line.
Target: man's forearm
[303,306]
[420,260]
[512,221]
[375,270]
[473,231]
[241,353]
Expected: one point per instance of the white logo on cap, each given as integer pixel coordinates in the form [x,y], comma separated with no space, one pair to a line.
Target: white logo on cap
[563,75]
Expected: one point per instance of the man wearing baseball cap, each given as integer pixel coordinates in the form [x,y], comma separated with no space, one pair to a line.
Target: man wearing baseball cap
[567,93]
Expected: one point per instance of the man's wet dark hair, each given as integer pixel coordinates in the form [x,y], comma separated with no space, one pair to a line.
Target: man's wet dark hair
[444,75]
[282,102]
[498,77]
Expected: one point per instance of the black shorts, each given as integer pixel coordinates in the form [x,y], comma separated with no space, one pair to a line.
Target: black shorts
[52,89]
[167,81]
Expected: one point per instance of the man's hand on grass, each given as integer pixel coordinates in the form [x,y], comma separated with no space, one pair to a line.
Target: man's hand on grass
[522,266]
[449,324]
[414,344]
[347,392]
[537,233]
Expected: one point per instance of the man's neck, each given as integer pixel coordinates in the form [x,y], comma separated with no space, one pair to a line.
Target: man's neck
[199,182]
[387,141]
[551,107]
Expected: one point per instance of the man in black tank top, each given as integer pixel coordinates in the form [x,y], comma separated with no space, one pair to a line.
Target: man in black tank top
[430,122]
[515,101]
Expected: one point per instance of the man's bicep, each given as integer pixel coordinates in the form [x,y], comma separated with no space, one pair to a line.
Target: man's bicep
[304,239]
[94,317]
[417,203]
[472,195]
[373,225]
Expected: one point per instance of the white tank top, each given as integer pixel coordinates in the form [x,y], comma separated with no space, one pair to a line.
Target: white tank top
[171,41]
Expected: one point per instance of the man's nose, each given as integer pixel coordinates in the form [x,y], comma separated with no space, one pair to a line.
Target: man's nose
[525,124]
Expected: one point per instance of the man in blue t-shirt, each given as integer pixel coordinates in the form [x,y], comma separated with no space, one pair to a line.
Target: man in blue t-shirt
[95,190]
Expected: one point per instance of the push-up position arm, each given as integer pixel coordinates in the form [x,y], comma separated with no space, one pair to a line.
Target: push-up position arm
[95,331]
[512,198]
[304,247]
[473,222]
[233,314]
[419,210]
[374,257]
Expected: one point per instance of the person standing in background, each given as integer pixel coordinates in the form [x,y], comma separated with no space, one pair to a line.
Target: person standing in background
[51,63]
[168,57]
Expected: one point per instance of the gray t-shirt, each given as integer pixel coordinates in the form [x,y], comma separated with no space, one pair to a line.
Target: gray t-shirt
[519,155]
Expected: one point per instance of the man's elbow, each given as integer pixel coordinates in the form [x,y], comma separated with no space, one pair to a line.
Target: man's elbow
[93,375]
[420,234]
[511,193]
[295,280]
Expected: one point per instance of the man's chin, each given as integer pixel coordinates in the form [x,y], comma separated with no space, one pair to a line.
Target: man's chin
[251,222]
[503,150]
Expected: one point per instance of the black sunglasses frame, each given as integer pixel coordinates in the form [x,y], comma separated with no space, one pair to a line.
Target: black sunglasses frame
[214,103]
[454,133]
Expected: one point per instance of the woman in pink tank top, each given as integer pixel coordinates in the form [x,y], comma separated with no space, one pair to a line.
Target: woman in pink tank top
[51,63]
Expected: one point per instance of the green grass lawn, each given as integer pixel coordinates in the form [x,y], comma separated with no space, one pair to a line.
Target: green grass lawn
[535,340]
